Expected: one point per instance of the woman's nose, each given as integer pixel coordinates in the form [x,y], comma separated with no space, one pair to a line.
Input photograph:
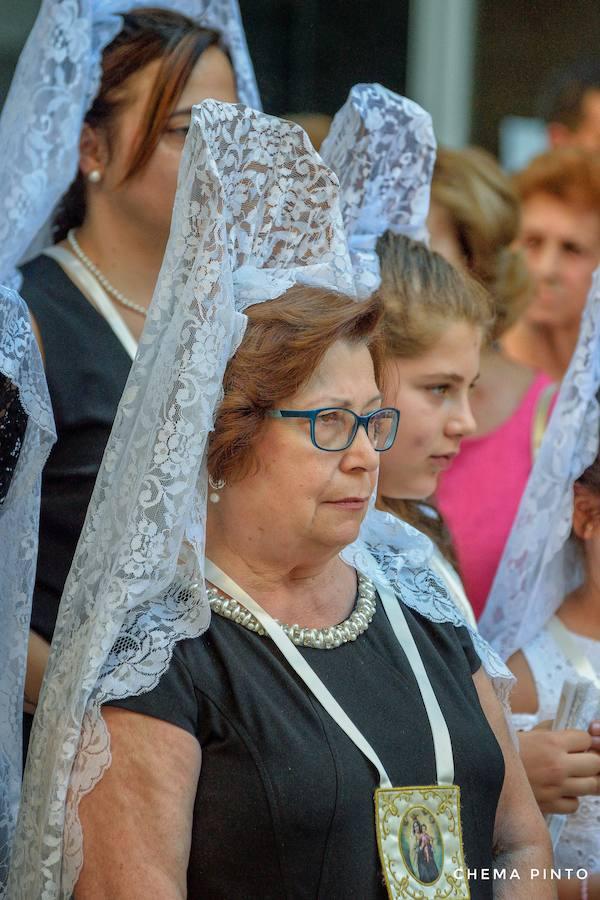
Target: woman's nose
[462,423]
[361,451]
[545,263]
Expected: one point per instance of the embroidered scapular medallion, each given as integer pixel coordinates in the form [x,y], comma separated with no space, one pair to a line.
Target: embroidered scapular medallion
[420,845]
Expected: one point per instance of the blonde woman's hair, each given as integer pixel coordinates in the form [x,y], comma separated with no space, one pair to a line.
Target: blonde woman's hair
[483,207]
[422,295]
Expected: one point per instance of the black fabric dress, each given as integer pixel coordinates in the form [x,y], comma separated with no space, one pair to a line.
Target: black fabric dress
[13,424]
[284,806]
[86,369]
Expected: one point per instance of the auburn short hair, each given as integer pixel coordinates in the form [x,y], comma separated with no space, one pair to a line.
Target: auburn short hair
[284,342]
[571,174]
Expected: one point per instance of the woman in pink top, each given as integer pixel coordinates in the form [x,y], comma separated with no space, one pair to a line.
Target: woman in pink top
[479,495]
[473,221]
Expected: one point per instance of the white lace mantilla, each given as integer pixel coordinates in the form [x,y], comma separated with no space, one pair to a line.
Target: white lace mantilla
[256,212]
[404,556]
[579,842]
[382,148]
[54,85]
[21,365]
[541,564]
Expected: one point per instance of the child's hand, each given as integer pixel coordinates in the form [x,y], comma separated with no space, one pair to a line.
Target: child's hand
[594,731]
[561,766]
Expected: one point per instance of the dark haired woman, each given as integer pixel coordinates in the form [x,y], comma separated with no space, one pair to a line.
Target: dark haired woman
[543,614]
[567,647]
[89,293]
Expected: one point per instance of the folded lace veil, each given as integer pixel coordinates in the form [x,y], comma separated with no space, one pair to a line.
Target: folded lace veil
[541,564]
[255,212]
[26,436]
[382,147]
[55,83]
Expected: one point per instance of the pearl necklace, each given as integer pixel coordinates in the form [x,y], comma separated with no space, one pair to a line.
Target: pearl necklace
[119,297]
[320,638]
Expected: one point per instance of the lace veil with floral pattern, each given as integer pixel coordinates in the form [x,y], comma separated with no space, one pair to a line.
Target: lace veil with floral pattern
[55,83]
[26,436]
[541,562]
[382,148]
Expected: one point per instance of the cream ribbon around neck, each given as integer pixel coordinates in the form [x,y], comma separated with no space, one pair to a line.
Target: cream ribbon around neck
[96,295]
[449,576]
[441,737]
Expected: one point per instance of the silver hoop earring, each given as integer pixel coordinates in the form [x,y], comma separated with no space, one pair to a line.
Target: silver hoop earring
[95,176]
[216,487]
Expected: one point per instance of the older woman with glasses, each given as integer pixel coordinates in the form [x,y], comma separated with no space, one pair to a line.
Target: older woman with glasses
[263,792]
[265,756]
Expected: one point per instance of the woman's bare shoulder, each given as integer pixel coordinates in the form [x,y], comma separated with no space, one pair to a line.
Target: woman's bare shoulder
[523,698]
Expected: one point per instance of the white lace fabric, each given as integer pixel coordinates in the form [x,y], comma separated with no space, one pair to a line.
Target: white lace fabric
[55,83]
[579,843]
[541,563]
[382,148]
[21,365]
[256,212]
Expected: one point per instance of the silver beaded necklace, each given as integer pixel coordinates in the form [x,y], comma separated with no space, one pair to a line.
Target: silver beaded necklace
[119,297]
[320,638]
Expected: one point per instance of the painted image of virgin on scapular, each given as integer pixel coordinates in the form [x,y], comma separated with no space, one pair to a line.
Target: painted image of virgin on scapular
[423,851]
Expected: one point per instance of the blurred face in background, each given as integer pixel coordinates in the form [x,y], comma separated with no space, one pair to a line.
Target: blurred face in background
[587,132]
[443,237]
[561,244]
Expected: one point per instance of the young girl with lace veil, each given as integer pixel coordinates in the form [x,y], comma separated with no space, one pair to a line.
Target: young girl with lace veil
[435,316]
[245,757]
[543,613]
[434,320]
[92,131]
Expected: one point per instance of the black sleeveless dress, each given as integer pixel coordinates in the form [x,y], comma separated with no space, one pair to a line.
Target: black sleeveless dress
[86,369]
[13,424]
[284,805]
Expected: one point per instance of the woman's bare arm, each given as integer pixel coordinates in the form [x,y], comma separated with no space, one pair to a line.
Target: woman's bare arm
[37,335]
[521,838]
[137,822]
[38,652]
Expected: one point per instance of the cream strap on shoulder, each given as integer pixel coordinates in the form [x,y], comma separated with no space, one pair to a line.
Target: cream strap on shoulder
[441,737]
[450,577]
[96,294]
[572,651]
[541,416]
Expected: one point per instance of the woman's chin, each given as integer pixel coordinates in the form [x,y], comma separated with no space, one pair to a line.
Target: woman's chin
[345,534]
[418,490]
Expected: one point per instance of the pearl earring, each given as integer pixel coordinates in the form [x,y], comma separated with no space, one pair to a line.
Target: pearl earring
[94,176]
[216,487]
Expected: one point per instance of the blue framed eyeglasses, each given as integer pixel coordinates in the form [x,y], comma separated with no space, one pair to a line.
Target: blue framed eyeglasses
[334,427]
